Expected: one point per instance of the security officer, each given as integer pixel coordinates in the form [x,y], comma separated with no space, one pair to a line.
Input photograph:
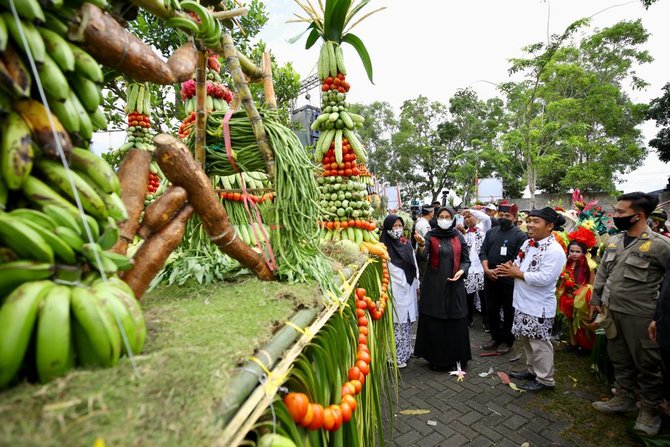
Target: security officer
[627,286]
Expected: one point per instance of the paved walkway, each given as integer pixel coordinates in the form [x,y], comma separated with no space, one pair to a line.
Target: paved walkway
[480,411]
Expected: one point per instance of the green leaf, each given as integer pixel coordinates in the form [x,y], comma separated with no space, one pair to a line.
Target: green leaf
[294,39]
[355,10]
[312,38]
[357,43]
[333,30]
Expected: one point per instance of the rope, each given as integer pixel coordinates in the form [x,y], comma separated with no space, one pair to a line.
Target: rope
[269,258]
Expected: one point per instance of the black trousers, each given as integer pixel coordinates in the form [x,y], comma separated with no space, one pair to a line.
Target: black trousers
[665,356]
[499,295]
[471,306]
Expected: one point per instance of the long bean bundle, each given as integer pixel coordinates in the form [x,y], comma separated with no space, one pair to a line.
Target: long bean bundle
[296,210]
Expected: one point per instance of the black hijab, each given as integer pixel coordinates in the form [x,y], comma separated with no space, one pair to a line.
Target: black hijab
[401,254]
[450,232]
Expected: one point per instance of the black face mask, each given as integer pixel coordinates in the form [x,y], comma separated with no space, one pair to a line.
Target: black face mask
[624,223]
[505,223]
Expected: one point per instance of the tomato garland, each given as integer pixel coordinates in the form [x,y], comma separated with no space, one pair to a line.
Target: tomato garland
[138,119]
[239,197]
[314,416]
[362,224]
[154,182]
[348,167]
[338,83]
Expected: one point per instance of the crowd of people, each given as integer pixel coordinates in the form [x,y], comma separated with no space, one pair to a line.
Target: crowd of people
[521,270]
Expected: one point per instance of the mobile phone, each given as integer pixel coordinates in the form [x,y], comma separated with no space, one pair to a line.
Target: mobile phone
[594,316]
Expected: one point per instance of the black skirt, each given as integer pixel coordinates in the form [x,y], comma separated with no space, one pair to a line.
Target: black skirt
[443,342]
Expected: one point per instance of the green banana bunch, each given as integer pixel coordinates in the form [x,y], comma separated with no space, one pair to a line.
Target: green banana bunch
[35,46]
[97,169]
[23,240]
[85,124]
[17,319]
[85,65]
[123,293]
[110,234]
[61,249]
[40,194]
[66,113]
[16,151]
[15,273]
[88,92]
[209,29]
[28,9]
[35,216]
[58,48]
[96,334]
[53,80]
[63,217]
[54,344]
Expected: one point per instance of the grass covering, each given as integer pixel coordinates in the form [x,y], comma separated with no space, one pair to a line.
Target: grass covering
[576,388]
[196,336]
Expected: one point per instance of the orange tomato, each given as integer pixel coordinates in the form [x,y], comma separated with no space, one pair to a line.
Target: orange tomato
[358,385]
[360,313]
[337,415]
[307,419]
[351,401]
[328,419]
[348,388]
[354,373]
[363,347]
[363,355]
[297,404]
[363,330]
[318,418]
[360,292]
[362,321]
[363,367]
[346,412]
[363,339]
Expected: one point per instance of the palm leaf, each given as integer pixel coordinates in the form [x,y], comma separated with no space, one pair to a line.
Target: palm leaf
[358,45]
[334,18]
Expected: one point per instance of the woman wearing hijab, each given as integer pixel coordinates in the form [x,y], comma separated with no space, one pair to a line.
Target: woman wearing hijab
[443,336]
[404,276]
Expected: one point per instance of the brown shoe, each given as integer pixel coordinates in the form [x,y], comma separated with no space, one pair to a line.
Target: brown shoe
[492,345]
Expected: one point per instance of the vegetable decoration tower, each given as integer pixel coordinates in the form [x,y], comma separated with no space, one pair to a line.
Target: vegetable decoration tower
[347,213]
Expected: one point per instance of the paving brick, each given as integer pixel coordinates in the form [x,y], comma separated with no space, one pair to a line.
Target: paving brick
[409,438]
[487,432]
[464,430]
[480,442]
[456,440]
[515,421]
[470,418]
[510,435]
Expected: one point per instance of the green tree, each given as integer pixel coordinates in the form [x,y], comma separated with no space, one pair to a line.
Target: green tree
[380,125]
[659,110]
[570,117]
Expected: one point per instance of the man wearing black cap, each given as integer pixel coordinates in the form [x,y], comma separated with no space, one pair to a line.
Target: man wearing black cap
[423,222]
[535,271]
[501,245]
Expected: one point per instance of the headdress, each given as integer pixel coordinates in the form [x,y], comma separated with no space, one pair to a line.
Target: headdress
[584,236]
[507,207]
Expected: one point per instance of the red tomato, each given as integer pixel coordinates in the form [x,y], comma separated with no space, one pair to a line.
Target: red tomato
[297,404]
[363,366]
[346,412]
[351,401]
[318,418]
[354,374]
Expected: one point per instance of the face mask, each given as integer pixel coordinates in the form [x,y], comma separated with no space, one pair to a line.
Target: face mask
[395,233]
[624,223]
[505,223]
[444,223]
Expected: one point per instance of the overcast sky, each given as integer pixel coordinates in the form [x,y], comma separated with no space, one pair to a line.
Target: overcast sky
[435,47]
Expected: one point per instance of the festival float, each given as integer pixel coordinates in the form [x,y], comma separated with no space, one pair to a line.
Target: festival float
[96,347]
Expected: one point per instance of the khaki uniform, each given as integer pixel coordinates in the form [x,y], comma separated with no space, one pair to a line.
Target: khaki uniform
[628,282]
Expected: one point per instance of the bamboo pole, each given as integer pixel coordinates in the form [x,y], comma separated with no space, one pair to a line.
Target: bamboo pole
[227,15]
[247,376]
[233,64]
[200,101]
[253,72]
[179,166]
[268,87]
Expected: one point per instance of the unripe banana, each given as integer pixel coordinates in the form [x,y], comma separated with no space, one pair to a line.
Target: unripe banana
[274,440]
[96,168]
[63,217]
[61,249]
[88,92]
[16,151]
[35,43]
[43,125]
[66,113]
[85,124]
[97,328]
[110,234]
[15,273]
[40,194]
[53,80]
[89,198]
[58,48]
[54,343]
[38,217]
[25,241]
[85,65]
[128,310]
[71,237]
[14,76]
[98,119]
[27,9]
[4,36]
[17,319]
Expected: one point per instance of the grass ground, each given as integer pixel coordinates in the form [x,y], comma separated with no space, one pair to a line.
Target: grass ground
[196,336]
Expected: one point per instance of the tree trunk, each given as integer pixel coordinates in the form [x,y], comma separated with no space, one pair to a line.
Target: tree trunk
[531,176]
[134,177]
[181,169]
[153,253]
[112,45]
[269,88]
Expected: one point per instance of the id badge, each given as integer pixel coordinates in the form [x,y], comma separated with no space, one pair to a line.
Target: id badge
[611,254]
[503,251]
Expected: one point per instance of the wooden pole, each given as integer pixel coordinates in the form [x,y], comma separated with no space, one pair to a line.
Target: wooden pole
[181,169]
[233,64]
[268,87]
[200,100]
